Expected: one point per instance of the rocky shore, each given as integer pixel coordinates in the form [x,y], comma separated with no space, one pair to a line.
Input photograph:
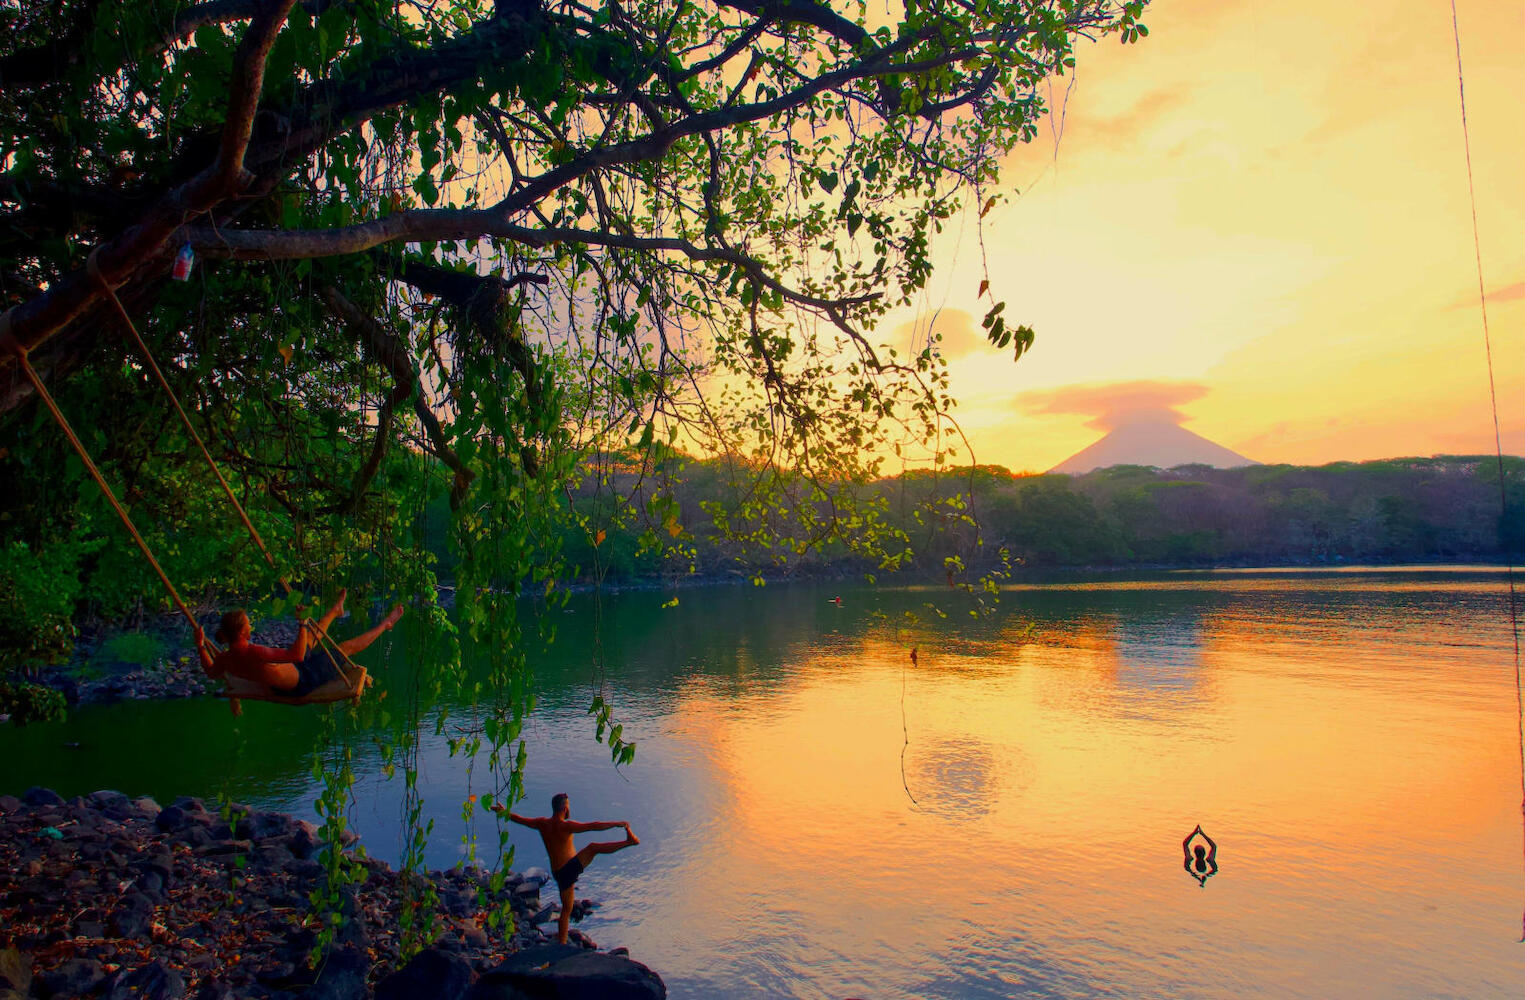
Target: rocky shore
[173,678]
[106,896]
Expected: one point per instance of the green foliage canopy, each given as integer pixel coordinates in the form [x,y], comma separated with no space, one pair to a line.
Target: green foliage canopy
[509,241]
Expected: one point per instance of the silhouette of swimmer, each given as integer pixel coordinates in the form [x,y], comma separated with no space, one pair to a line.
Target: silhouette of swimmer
[1203,859]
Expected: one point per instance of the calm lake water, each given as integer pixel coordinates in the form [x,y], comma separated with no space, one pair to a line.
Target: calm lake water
[1349,740]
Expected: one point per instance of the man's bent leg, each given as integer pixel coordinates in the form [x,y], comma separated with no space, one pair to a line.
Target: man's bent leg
[591,851]
[564,921]
[352,646]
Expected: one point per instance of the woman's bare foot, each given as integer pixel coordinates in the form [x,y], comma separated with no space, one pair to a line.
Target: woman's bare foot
[392,616]
[630,838]
[339,604]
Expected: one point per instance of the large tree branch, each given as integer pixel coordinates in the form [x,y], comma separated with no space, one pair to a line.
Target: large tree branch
[484,299]
[385,351]
[443,225]
[392,354]
[41,64]
[116,260]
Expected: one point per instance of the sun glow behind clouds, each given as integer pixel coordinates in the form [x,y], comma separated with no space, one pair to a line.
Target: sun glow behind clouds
[1268,200]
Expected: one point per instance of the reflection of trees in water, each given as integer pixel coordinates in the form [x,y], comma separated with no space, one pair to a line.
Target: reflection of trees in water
[961,776]
[1160,652]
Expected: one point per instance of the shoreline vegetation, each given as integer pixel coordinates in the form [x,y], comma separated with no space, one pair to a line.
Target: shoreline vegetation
[1392,511]
[1410,511]
[112,896]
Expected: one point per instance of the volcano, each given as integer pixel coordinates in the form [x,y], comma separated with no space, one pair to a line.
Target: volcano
[1160,442]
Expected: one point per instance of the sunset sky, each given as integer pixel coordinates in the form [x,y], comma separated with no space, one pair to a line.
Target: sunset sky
[1264,207]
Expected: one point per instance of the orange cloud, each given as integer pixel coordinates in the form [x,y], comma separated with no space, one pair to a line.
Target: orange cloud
[1509,293]
[956,327]
[1140,119]
[1117,403]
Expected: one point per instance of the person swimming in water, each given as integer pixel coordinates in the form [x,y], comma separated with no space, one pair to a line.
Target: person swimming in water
[567,862]
[1205,861]
[296,670]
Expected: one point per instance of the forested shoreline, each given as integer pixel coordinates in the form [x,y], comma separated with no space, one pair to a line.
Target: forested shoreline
[1405,510]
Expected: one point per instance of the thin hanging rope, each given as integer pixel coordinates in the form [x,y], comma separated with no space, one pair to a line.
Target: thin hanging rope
[153,366]
[347,667]
[7,342]
[1498,440]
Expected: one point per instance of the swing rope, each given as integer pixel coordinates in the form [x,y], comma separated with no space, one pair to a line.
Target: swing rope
[347,667]
[352,673]
[9,343]
[153,366]
[1493,399]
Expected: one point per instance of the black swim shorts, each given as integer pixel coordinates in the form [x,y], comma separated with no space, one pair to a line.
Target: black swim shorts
[566,875]
[312,673]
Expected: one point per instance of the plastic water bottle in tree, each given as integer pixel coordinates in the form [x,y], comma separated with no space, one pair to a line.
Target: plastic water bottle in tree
[184,261]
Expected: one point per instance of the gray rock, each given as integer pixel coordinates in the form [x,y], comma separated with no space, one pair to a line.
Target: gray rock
[74,978]
[497,989]
[474,937]
[158,858]
[566,972]
[264,825]
[271,857]
[304,841]
[341,976]
[146,808]
[304,869]
[107,800]
[152,884]
[154,981]
[530,959]
[134,917]
[459,902]
[214,989]
[195,836]
[9,804]
[176,818]
[432,973]
[39,796]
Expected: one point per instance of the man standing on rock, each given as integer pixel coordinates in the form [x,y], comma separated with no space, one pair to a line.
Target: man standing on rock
[567,862]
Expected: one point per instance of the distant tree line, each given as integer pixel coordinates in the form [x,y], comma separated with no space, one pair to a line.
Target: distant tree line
[1440,509]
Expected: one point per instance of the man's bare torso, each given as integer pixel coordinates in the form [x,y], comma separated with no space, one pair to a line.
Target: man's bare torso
[557,835]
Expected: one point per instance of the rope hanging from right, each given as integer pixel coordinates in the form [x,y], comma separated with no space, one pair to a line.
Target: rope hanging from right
[1498,442]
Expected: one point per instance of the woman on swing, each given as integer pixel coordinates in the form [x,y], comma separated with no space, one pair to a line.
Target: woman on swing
[293,672]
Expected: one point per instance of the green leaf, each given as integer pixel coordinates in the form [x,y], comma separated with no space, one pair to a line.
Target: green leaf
[16,969]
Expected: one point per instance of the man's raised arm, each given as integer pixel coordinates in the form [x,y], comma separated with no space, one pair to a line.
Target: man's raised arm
[533,822]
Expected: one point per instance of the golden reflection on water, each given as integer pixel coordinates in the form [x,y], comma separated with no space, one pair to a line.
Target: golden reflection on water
[1361,778]
[1349,740]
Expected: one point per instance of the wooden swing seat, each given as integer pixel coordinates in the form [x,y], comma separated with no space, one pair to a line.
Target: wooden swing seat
[338,689]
